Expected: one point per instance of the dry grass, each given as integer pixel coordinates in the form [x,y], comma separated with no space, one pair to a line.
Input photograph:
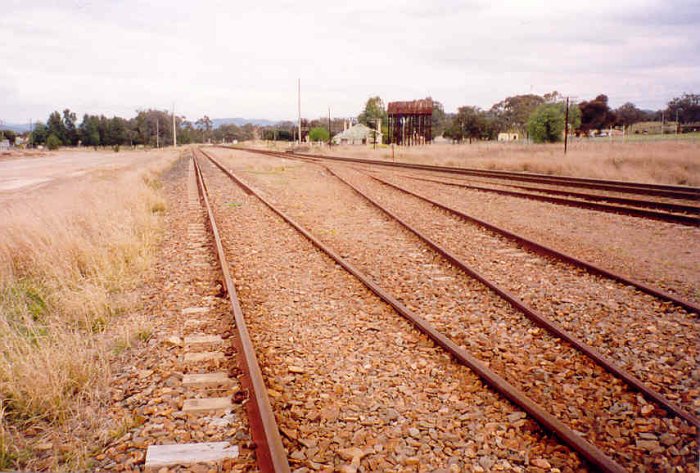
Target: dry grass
[69,260]
[668,162]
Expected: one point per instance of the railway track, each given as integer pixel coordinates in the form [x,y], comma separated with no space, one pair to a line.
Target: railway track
[418,360]
[661,190]
[670,212]
[666,204]
[680,213]
[656,398]
[530,244]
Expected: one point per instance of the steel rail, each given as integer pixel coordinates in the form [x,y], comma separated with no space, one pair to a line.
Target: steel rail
[531,313]
[586,449]
[532,245]
[610,208]
[652,204]
[269,450]
[663,190]
[551,252]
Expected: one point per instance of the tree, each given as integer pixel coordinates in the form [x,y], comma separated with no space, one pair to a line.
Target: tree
[318,134]
[687,106]
[438,120]
[553,97]
[8,135]
[204,124]
[53,142]
[69,119]
[596,114]
[57,128]
[512,113]
[470,122]
[374,110]
[628,114]
[89,131]
[39,134]
[546,124]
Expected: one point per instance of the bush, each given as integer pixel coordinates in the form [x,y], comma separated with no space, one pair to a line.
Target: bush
[53,142]
[546,124]
[318,134]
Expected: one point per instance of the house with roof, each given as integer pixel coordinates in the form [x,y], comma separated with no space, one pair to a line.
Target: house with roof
[358,134]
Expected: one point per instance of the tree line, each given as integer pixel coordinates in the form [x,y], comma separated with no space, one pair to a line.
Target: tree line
[541,117]
[148,128]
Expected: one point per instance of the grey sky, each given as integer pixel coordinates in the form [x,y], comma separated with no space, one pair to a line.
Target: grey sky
[242,58]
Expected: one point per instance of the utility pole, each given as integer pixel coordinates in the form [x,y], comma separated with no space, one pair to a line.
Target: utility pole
[174,128]
[330,133]
[157,133]
[566,126]
[663,121]
[678,125]
[299,106]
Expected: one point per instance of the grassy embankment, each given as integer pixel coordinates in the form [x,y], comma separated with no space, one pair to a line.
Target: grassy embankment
[70,260]
[667,161]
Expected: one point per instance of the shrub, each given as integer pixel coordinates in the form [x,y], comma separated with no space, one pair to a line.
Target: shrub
[318,134]
[53,142]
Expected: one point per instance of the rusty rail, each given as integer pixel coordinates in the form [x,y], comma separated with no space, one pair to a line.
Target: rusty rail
[532,245]
[587,450]
[651,204]
[551,252]
[583,204]
[269,450]
[532,314]
[662,190]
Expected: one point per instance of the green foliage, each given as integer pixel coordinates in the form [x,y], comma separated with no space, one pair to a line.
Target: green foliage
[686,107]
[374,109]
[53,142]
[318,134]
[57,128]
[439,122]
[69,120]
[546,124]
[628,114]
[9,135]
[512,113]
[472,123]
[39,134]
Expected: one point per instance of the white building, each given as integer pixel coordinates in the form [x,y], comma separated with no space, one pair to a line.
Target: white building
[357,135]
[510,136]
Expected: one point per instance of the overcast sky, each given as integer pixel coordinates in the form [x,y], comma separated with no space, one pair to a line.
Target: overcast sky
[243,58]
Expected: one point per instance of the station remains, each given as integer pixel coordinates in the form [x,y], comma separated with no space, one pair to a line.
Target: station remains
[410,123]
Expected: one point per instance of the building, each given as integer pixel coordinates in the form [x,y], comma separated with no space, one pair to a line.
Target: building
[357,135]
[510,136]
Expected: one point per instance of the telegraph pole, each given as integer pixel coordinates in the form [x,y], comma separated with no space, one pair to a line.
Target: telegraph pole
[566,126]
[329,127]
[174,128]
[157,133]
[299,106]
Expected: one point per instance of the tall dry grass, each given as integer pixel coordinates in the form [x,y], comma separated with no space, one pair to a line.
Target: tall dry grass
[69,258]
[667,162]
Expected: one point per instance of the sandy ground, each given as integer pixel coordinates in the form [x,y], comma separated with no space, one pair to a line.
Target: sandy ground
[31,171]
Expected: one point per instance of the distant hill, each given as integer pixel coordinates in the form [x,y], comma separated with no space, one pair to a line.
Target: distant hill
[16,127]
[217,122]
